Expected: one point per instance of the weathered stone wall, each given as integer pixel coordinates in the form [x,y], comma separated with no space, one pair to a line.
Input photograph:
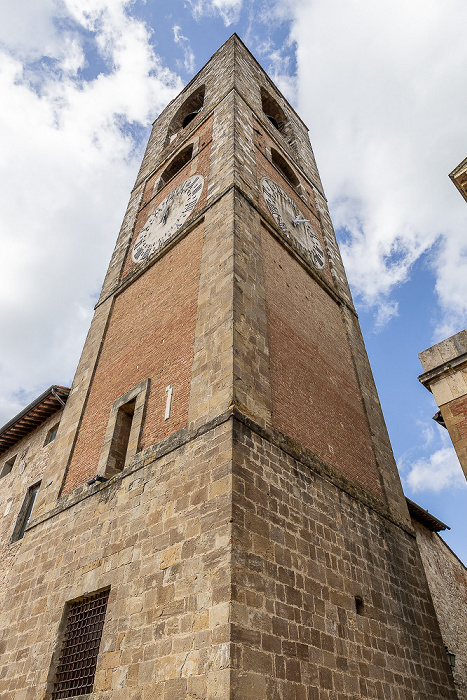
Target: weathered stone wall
[31,460]
[234,569]
[303,552]
[159,536]
[447,579]
[445,375]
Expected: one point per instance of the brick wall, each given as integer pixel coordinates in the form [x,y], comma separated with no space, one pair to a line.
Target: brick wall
[150,335]
[455,417]
[316,398]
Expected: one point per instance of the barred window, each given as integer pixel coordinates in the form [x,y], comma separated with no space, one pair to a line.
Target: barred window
[78,656]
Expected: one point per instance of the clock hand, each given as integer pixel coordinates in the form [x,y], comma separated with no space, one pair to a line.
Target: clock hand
[298,220]
[165,213]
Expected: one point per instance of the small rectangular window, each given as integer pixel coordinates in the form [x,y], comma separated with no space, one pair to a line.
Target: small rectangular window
[80,646]
[122,436]
[25,513]
[51,435]
[8,466]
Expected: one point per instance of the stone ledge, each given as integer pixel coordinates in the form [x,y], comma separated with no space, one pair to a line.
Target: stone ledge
[272,435]
[455,364]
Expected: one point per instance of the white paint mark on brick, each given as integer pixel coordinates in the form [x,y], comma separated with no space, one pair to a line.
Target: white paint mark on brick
[168,405]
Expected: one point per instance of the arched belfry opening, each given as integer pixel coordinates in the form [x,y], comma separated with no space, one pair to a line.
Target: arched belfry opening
[277,117]
[273,112]
[175,165]
[186,113]
[282,165]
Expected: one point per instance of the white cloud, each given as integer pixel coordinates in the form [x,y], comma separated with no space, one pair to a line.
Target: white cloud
[385,312]
[188,55]
[68,163]
[427,430]
[380,86]
[441,470]
[228,10]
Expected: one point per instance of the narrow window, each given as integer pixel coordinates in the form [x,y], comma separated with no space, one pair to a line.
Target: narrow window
[51,435]
[282,165]
[25,513]
[179,162]
[123,433]
[8,466]
[121,437]
[80,646]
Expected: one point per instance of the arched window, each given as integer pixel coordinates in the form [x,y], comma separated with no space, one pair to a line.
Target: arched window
[282,165]
[186,113]
[180,160]
[272,110]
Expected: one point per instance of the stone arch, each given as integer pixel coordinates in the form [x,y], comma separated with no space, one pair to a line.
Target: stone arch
[176,164]
[282,165]
[186,113]
[277,117]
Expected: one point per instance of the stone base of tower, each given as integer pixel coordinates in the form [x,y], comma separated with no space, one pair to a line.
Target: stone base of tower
[238,567]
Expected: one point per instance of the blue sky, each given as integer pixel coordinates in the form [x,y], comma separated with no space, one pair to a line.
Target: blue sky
[382,89]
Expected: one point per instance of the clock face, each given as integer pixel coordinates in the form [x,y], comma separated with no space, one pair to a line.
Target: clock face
[169,216]
[291,221]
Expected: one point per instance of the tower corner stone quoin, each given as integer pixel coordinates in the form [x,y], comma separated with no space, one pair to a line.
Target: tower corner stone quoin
[247,519]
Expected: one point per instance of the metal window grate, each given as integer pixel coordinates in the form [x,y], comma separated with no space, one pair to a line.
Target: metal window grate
[78,658]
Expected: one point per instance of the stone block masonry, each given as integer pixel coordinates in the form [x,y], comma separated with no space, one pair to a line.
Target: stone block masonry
[159,537]
[234,570]
[256,543]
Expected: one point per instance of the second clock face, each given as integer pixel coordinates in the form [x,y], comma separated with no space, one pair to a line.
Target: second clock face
[168,217]
[291,221]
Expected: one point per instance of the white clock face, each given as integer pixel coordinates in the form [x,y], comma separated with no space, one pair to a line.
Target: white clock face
[291,221]
[169,216]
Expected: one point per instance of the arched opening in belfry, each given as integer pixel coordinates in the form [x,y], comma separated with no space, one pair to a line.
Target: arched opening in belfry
[282,165]
[186,113]
[175,165]
[273,112]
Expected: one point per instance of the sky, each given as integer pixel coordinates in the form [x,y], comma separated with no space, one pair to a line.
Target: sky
[382,88]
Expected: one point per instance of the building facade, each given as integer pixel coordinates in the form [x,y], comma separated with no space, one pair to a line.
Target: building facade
[445,367]
[220,515]
[447,580]
[445,375]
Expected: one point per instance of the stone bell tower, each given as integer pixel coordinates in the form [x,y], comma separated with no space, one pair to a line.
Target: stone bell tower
[222,488]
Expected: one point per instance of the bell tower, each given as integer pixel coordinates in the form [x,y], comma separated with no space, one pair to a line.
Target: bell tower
[222,467]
